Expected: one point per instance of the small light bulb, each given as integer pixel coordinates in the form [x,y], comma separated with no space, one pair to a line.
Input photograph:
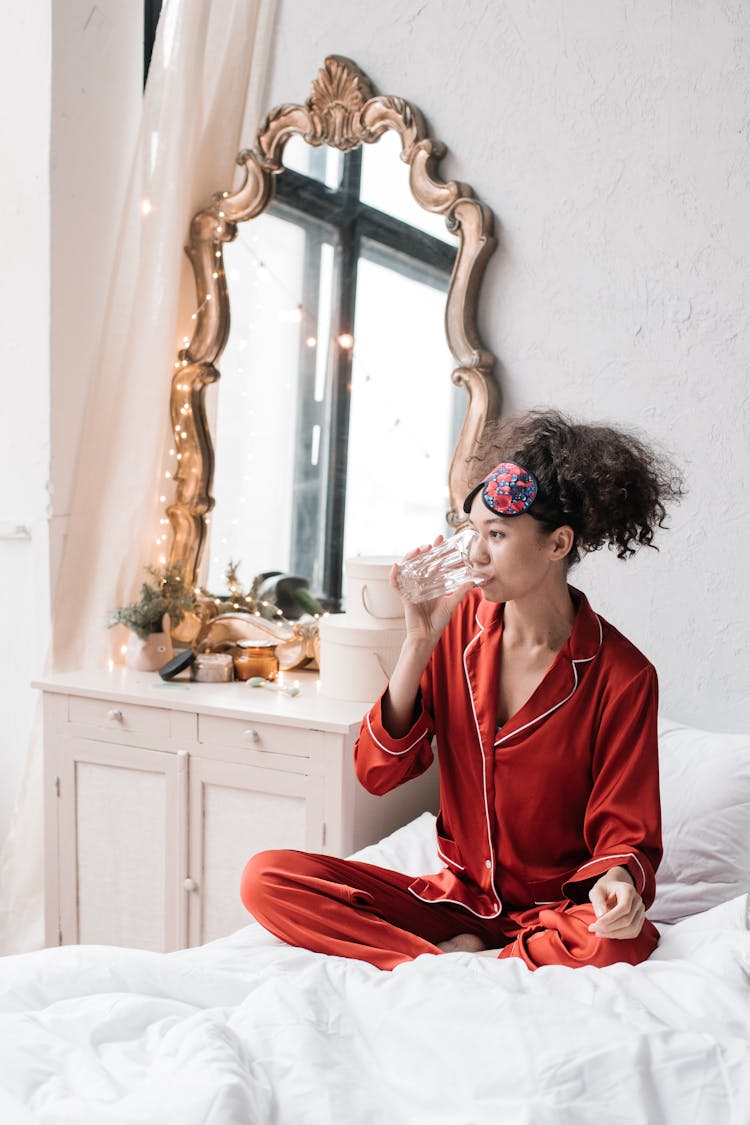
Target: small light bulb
[311,341]
[346,341]
[163,499]
[168,476]
[123,649]
[146,206]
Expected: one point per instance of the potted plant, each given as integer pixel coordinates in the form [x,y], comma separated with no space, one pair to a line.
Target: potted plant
[162,604]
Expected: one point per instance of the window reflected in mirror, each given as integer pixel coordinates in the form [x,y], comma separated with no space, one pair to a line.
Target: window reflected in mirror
[323,163]
[385,186]
[405,411]
[335,417]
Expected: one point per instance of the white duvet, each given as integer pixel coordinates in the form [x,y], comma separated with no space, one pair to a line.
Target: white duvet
[247,1031]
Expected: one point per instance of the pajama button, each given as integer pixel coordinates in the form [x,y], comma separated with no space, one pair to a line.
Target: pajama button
[488,863]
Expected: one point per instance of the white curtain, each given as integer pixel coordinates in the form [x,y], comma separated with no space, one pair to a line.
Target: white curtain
[203,102]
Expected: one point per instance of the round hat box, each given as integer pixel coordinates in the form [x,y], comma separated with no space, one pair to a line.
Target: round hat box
[369,594]
[356,660]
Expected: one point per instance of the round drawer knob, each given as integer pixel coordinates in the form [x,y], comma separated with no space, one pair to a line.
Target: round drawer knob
[251,736]
[114,715]
[189,884]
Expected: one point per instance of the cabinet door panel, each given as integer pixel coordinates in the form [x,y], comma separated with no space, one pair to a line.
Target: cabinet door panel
[236,811]
[120,817]
[123,828]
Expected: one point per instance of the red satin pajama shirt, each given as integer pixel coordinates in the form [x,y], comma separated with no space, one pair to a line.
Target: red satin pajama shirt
[531,814]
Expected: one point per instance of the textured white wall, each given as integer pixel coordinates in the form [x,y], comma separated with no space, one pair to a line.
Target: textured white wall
[611,141]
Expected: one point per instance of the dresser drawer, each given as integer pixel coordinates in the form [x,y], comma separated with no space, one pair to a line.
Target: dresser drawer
[130,718]
[248,734]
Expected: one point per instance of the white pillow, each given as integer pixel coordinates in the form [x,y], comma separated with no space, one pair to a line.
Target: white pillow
[705,800]
[411,849]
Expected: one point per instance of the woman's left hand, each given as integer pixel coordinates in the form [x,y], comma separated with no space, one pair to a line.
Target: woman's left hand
[619,908]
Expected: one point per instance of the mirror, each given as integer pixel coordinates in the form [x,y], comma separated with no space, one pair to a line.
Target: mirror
[328,403]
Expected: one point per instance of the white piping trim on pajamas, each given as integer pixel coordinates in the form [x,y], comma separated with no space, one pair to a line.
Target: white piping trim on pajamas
[618,855]
[431,902]
[538,718]
[484,772]
[450,862]
[395,753]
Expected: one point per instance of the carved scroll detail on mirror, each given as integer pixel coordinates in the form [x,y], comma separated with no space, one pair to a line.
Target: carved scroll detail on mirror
[342,112]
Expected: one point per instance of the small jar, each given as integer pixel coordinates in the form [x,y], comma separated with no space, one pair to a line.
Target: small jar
[256,658]
[212,668]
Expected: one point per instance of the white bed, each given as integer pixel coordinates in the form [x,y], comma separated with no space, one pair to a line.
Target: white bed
[247,1031]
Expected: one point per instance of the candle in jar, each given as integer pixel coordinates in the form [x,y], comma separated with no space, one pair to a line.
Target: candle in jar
[256,658]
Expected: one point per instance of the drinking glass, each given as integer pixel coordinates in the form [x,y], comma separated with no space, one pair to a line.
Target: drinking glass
[439,571]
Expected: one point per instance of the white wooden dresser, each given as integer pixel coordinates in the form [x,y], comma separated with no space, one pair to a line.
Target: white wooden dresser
[157,794]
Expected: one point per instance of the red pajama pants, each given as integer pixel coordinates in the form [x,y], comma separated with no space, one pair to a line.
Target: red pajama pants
[353,909]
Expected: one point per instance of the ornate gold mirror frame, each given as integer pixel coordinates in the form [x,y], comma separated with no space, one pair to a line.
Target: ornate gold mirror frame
[342,112]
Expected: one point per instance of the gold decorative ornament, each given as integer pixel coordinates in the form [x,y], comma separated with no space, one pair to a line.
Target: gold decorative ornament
[343,112]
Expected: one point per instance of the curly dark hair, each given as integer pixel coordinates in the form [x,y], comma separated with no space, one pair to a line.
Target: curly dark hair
[608,485]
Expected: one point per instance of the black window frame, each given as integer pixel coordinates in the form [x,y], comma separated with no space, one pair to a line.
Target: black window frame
[151,13]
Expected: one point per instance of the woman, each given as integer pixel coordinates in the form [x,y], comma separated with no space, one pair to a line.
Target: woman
[544,717]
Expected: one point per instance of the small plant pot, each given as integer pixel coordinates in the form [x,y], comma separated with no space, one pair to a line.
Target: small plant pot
[149,655]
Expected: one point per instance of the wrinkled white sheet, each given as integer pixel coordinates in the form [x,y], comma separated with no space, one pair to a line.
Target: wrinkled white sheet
[247,1031]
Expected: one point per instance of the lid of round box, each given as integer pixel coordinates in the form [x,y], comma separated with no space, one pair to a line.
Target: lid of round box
[370,566]
[343,630]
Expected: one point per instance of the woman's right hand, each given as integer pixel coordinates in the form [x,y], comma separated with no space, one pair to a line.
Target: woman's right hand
[425,621]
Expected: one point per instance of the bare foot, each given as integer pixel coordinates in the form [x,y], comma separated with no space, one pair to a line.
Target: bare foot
[462,943]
